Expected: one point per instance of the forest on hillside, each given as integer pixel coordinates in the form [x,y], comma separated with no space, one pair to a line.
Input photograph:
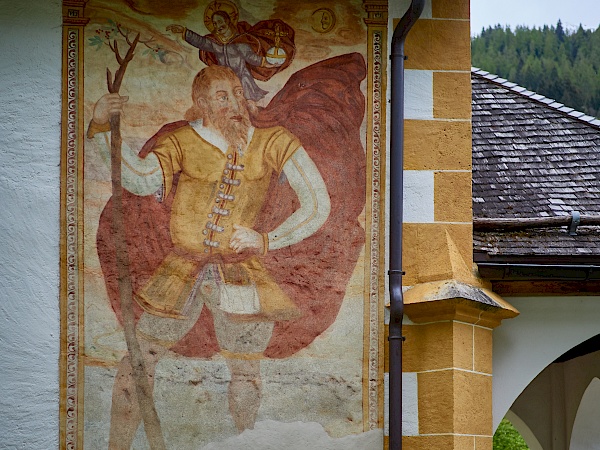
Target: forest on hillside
[557,63]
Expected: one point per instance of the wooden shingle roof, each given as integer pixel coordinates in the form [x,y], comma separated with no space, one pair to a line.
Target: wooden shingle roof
[532,158]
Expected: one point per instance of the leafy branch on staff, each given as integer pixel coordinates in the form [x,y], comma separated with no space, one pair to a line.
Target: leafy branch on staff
[110,33]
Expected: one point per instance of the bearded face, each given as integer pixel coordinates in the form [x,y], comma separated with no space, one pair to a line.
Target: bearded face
[227,112]
[233,125]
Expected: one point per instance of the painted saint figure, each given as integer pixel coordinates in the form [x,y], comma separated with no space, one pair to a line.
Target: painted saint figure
[252,52]
[220,168]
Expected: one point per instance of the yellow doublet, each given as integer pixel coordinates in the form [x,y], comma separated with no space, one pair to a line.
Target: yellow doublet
[215,191]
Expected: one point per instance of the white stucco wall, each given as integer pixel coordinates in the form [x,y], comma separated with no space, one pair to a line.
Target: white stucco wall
[30,74]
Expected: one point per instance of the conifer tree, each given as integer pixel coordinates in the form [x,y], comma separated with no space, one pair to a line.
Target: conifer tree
[558,63]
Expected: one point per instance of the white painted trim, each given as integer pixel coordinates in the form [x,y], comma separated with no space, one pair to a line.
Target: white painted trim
[418,196]
[410,404]
[418,94]
[456,369]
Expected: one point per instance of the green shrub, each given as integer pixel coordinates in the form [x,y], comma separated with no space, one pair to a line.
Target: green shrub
[508,438]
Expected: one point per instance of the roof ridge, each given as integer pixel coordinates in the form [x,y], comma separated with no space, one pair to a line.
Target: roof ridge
[524,92]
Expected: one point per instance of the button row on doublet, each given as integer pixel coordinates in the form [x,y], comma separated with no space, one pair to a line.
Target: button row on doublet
[210,243]
[231,181]
[212,226]
[234,166]
[220,211]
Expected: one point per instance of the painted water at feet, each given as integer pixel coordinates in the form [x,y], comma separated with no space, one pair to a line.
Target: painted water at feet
[223,282]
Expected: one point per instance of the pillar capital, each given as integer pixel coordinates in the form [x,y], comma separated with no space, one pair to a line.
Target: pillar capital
[454,300]
[447,361]
[73,12]
[377,12]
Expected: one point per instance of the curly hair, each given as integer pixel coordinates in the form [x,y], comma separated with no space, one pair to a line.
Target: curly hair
[201,85]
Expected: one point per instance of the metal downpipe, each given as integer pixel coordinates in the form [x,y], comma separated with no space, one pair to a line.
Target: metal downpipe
[396,192]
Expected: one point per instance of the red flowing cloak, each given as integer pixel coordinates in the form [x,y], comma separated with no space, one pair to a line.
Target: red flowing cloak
[324,107]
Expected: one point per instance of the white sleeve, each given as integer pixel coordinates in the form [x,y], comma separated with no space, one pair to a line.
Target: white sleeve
[305,179]
[140,176]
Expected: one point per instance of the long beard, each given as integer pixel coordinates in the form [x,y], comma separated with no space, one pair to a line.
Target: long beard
[234,132]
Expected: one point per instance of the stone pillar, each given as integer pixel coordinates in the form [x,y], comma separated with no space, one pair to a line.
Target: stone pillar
[437,153]
[447,355]
[448,365]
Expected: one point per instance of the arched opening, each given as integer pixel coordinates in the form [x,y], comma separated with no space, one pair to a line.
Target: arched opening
[527,346]
[586,432]
[560,405]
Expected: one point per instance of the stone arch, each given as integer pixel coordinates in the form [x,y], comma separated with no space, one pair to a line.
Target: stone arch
[546,328]
[524,430]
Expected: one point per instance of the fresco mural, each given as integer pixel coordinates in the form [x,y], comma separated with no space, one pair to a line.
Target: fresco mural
[222,219]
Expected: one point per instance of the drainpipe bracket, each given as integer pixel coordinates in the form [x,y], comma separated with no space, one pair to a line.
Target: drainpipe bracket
[396,272]
[575,221]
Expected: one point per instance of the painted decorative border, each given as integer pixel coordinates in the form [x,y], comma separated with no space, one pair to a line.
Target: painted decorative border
[374,257]
[71,317]
[377,25]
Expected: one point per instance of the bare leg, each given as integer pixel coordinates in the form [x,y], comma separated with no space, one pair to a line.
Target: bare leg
[125,412]
[244,392]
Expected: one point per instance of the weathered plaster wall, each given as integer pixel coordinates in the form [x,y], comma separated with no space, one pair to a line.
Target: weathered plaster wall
[29,226]
[30,95]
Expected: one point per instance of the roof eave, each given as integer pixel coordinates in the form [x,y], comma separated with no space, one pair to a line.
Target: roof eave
[537,267]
